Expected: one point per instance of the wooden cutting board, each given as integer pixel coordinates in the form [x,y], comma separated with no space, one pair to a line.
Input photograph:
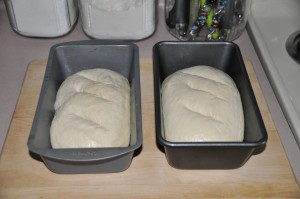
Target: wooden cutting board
[267,175]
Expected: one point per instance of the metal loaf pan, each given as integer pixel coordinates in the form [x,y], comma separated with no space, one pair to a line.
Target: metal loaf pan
[64,60]
[169,57]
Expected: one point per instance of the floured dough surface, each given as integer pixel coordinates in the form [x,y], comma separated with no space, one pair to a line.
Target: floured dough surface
[202,104]
[92,109]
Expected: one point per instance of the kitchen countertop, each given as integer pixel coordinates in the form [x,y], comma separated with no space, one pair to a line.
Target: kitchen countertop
[17,51]
[269,33]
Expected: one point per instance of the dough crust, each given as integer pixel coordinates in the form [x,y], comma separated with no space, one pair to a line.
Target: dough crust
[202,104]
[92,109]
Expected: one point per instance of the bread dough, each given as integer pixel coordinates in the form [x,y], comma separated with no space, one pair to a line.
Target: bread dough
[92,109]
[202,104]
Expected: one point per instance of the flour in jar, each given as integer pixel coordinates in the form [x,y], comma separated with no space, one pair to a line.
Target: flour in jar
[118,19]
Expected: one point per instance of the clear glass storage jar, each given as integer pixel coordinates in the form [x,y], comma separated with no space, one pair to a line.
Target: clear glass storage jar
[206,20]
[42,18]
[118,19]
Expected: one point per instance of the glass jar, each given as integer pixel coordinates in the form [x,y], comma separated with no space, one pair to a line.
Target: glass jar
[47,18]
[205,20]
[118,19]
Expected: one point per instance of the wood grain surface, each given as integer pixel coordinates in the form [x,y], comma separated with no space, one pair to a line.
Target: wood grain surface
[267,175]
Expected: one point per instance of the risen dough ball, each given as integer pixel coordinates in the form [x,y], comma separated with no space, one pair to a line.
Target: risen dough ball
[201,104]
[92,109]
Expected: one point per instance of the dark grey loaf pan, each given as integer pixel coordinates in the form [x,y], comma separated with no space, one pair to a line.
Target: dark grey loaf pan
[169,57]
[64,60]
